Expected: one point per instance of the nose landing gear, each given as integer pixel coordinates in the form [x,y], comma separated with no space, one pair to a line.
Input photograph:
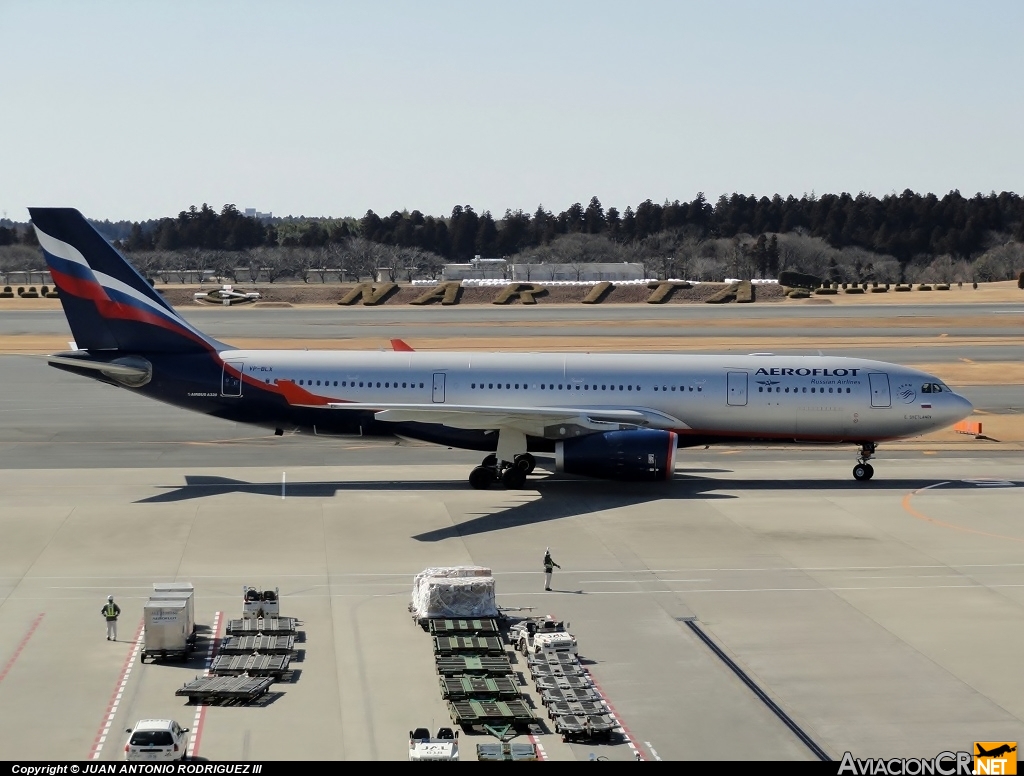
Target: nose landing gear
[864,471]
[511,474]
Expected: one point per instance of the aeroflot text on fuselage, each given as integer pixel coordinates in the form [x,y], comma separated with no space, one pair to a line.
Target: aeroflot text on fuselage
[803,372]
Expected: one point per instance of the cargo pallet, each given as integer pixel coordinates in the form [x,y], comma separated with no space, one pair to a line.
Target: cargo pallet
[252,665]
[473,665]
[478,687]
[563,683]
[568,662]
[507,751]
[264,626]
[551,670]
[578,728]
[264,645]
[569,696]
[468,645]
[170,654]
[576,709]
[226,689]
[496,717]
[442,627]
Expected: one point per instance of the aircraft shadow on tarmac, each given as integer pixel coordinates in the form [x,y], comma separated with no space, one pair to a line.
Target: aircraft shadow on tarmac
[559,496]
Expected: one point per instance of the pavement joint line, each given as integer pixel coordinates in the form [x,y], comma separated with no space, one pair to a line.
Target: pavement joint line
[761,694]
[115,700]
[200,718]
[620,725]
[411,574]
[21,646]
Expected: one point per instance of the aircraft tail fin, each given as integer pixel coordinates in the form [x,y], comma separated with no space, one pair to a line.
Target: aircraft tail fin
[108,304]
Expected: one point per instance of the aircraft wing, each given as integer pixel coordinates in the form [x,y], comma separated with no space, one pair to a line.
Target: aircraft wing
[529,420]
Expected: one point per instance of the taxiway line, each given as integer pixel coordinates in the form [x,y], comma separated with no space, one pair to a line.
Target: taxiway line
[200,718]
[115,699]
[21,646]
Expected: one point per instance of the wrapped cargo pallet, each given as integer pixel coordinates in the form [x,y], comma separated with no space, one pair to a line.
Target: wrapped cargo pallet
[455,591]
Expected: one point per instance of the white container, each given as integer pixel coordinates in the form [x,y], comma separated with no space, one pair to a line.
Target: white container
[166,627]
[173,595]
[178,589]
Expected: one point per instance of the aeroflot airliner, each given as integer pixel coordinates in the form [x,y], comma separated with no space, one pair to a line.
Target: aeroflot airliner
[617,417]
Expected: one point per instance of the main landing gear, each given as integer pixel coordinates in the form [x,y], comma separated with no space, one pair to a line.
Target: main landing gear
[512,474]
[864,471]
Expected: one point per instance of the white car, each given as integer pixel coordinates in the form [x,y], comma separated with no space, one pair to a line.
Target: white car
[156,740]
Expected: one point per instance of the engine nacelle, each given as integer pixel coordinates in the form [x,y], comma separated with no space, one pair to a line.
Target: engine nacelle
[645,454]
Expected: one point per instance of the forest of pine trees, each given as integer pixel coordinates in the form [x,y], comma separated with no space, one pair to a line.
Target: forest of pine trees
[842,237]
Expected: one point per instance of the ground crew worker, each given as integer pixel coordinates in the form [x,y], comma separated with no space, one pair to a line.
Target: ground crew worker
[111,611]
[549,565]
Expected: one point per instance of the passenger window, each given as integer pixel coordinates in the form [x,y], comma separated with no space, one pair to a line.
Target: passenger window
[629,387]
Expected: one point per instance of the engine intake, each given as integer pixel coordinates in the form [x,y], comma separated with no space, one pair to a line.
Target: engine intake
[640,455]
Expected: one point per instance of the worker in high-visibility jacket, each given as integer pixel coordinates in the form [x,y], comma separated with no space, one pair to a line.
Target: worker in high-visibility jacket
[549,566]
[111,611]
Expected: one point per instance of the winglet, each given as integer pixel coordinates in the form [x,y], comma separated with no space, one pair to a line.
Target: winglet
[401,346]
[300,397]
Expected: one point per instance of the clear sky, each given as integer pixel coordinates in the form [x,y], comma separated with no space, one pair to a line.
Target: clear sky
[135,110]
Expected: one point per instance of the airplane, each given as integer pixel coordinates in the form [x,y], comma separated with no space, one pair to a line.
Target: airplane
[610,416]
[999,750]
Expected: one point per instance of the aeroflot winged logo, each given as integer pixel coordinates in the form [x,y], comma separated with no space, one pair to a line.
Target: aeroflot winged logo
[906,392]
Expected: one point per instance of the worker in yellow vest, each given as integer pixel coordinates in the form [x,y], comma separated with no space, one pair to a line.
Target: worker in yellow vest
[111,611]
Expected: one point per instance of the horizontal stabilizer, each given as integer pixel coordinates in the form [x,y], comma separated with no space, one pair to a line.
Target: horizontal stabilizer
[131,371]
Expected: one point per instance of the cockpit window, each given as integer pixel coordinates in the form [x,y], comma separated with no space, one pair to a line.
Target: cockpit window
[932,388]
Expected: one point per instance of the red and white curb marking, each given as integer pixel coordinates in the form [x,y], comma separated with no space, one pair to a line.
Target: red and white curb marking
[197,723]
[540,747]
[21,645]
[115,699]
[617,719]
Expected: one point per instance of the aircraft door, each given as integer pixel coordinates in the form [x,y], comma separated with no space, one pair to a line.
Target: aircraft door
[737,389]
[879,382]
[437,394]
[231,378]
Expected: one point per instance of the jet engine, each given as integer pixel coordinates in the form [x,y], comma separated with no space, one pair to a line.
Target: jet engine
[640,455]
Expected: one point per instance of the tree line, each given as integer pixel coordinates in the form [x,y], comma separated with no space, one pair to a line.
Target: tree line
[836,235]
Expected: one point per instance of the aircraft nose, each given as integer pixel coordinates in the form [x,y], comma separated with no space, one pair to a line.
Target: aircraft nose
[961,408]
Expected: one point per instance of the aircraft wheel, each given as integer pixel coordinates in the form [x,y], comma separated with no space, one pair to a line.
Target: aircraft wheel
[527,462]
[862,472]
[871,470]
[490,460]
[513,477]
[481,478]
